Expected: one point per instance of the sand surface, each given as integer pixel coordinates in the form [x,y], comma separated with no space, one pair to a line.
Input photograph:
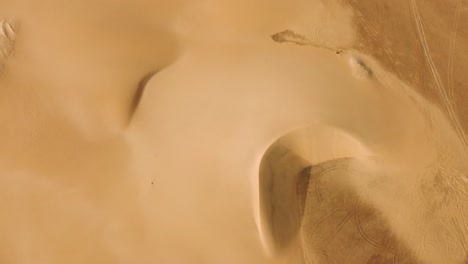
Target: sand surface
[246,131]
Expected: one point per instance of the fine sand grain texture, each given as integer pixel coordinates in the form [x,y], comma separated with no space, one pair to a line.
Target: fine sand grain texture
[222,131]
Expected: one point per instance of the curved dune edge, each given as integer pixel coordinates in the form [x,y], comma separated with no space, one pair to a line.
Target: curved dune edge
[279,177]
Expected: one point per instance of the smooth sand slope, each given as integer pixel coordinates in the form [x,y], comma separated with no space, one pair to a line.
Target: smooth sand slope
[233,132]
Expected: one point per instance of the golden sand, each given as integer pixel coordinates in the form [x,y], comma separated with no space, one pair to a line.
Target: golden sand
[233,132]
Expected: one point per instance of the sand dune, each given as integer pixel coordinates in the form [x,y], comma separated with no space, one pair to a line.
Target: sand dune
[233,131]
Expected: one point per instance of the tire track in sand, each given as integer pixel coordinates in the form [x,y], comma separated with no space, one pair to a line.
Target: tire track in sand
[440,86]
[453,41]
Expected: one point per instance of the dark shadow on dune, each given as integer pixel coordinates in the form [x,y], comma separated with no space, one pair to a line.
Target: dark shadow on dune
[140,90]
[283,190]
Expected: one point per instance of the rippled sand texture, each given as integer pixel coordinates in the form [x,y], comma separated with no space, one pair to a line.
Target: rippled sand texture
[222,131]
